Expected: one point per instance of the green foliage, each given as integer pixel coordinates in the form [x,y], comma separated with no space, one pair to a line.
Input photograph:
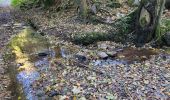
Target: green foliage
[17,3]
[124,25]
[32,3]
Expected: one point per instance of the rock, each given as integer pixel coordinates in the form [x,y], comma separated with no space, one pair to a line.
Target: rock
[167,38]
[146,81]
[80,57]
[112,53]
[102,55]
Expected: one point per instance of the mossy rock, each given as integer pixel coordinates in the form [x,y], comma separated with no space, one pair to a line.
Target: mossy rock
[29,42]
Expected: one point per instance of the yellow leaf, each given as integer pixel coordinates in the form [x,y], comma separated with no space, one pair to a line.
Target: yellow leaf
[74,98]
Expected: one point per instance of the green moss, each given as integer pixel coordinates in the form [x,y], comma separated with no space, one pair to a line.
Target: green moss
[88,38]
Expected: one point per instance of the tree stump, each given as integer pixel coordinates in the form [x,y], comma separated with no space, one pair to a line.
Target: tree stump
[148,20]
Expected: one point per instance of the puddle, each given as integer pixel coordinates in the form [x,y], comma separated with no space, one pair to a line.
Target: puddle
[136,55]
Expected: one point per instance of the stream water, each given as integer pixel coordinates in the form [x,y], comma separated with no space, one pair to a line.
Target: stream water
[42,65]
[27,78]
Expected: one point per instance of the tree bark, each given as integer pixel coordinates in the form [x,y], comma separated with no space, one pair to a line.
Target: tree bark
[148,20]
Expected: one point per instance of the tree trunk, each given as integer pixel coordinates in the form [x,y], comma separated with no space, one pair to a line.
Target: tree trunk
[148,20]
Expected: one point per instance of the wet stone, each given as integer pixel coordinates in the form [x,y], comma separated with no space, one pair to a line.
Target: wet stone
[102,55]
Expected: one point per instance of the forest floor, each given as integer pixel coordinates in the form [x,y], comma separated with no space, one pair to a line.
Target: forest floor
[103,70]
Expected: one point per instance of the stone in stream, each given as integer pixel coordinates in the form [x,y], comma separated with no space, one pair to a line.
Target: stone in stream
[102,55]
